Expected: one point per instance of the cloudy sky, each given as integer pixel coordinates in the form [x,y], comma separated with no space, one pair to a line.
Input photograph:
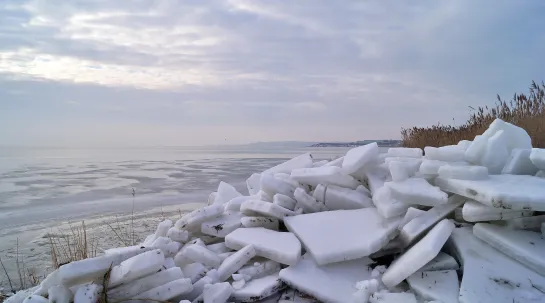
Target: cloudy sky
[175,72]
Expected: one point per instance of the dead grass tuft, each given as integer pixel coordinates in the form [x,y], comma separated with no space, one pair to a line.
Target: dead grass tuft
[72,247]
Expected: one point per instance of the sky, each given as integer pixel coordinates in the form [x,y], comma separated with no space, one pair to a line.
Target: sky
[201,72]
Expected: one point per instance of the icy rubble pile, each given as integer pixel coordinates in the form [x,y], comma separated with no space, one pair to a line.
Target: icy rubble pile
[459,223]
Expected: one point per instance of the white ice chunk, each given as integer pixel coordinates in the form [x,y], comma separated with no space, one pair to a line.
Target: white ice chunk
[198,288]
[489,275]
[87,293]
[500,191]
[217,293]
[417,227]
[540,174]
[390,297]
[307,202]
[324,175]
[418,255]
[476,150]
[464,144]
[223,224]
[291,295]
[235,262]
[226,192]
[342,235]
[449,153]
[399,171]
[284,201]
[443,261]
[282,247]
[332,283]
[262,269]
[416,191]
[224,256]
[357,157]
[194,271]
[269,223]
[267,209]
[35,299]
[238,284]
[527,247]
[272,186]
[302,161]
[409,215]
[386,205]
[336,197]
[320,163]
[337,162]
[194,219]
[376,180]
[234,204]
[169,263]
[200,254]
[516,136]
[519,163]
[364,190]
[258,289]
[129,290]
[463,172]
[167,246]
[129,251]
[525,223]
[537,156]
[431,167]
[253,183]
[166,291]
[496,153]
[178,235]
[263,196]
[405,152]
[436,285]
[137,267]
[474,212]
[59,294]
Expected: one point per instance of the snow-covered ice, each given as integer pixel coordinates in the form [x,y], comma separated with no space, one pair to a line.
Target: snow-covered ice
[342,235]
[194,219]
[436,285]
[409,215]
[258,289]
[35,299]
[416,191]
[60,294]
[418,255]
[333,283]
[500,191]
[431,167]
[474,212]
[268,209]
[282,247]
[88,293]
[137,267]
[527,247]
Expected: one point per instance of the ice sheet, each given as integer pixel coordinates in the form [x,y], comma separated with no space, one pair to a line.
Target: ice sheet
[284,201]
[537,156]
[282,247]
[416,191]
[129,290]
[342,235]
[332,283]
[527,247]
[474,212]
[496,153]
[418,255]
[269,223]
[386,205]
[336,197]
[137,267]
[489,275]
[449,153]
[519,163]
[358,157]
[516,136]
[476,150]
[463,172]
[500,191]
[324,175]
[234,262]
[272,186]
[302,161]
[217,293]
[253,183]
[308,202]
[436,285]
[443,261]
[193,220]
[225,193]
[222,225]
[405,152]
[267,209]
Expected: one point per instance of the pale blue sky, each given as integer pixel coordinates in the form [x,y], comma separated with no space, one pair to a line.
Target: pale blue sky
[143,72]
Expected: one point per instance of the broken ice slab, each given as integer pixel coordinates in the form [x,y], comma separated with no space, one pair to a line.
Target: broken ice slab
[337,162]
[178,235]
[198,288]
[235,261]
[356,158]
[409,215]
[537,156]
[431,167]
[263,208]
[194,271]
[194,219]
[496,153]
[489,275]
[386,205]
[420,225]
[35,299]
[284,201]
[401,171]
[525,223]
[405,152]
[527,247]
[474,212]
[517,137]
[476,149]
[234,204]
[332,283]
[390,297]
[302,161]
[259,269]
[166,291]
[443,261]
[417,191]
[519,163]
[129,290]
[217,293]
[282,247]
[253,183]
[418,255]
[272,185]
[291,295]
[308,202]
[342,235]
[87,293]
[199,254]
[336,197]
[223,224]
[448,153]
[136,267]
[463,172]
[324,175]
[60,294]
[269,223]
[500,191]
[258,289]
[225,193]
[436,285]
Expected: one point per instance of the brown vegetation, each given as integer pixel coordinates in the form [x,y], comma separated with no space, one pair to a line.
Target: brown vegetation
[526,111]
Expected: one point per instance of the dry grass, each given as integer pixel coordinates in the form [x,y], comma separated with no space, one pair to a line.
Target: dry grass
[72,247]
[526,111]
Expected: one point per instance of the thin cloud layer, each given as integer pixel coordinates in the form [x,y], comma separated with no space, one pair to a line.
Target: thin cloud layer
[205,72]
